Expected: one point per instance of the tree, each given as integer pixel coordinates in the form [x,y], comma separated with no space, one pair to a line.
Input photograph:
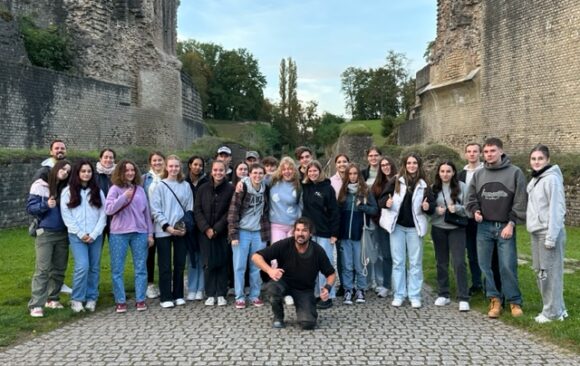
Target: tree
[231,79]
[375,92]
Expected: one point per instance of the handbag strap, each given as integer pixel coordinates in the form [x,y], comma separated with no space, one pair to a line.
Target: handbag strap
[363,251]
[174,195]
[444,199]
[126,204]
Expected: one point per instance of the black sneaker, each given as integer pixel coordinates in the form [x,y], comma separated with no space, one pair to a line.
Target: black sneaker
[360,296]
[347,297]
[322,305]
[278,324]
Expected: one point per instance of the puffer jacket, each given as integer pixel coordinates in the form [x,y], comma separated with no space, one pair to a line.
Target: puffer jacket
[50,219]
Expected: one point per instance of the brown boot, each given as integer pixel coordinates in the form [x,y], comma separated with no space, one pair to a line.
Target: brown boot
[516,310]
[494,308]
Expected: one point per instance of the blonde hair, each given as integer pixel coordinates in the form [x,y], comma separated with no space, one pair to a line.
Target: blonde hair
[165,174]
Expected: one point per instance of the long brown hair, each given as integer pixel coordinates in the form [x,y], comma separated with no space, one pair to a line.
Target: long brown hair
[382,179]
[55,186]
[118,176]
[410,180]
[362,189]
[75,185]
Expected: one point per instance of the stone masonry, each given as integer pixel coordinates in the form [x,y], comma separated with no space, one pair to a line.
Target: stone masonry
[505,69]
[128,88]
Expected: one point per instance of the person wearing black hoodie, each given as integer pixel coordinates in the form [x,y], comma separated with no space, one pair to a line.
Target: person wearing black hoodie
[320,206]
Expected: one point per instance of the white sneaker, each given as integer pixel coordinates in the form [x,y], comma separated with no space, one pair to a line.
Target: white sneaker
[222,301]
[152,291]
[288,300]
[397,302]
[167,304]
[199,295]
[179,302]
[65,289]
[53,304]
[383,292]
[442,301]
[541,318]
[37,312]
[463,306]
[210,301]
[379,289]
[415,304]
[190,296]
[76,306]
[91,305]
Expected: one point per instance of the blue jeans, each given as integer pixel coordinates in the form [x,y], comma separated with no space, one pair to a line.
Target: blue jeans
[250,243]
[350,251]
[118,246]
[195,274]
[488,236]
[87,268]
[329,250]
[405,241]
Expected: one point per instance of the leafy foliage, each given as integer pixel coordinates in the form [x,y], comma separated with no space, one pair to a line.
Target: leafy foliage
[356,129]
[387,123]
[229,81]
[47,47]
[376,92]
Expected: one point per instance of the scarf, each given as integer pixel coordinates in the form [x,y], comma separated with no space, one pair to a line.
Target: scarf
[102,170]
[537,173]
[352,188]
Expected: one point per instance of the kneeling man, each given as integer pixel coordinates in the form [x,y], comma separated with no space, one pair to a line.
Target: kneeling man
[293,265]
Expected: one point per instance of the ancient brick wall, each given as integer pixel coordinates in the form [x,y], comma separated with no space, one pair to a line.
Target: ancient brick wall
[502,68]
[38,105]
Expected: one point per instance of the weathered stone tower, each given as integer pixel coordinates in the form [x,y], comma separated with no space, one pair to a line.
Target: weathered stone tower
[501,68]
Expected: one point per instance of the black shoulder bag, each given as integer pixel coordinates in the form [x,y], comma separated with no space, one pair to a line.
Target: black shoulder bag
[451,217]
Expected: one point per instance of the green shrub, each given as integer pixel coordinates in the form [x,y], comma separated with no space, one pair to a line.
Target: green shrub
[387,124]
[356,129]
[50,48]
[393,151]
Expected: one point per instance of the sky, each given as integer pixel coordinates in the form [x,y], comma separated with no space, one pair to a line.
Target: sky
[323,37]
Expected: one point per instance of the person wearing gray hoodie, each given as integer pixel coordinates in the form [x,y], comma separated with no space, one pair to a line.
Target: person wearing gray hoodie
[496,198]
[545,222]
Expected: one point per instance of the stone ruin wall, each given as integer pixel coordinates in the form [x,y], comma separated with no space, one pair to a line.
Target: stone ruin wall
[505,69]
[126,45]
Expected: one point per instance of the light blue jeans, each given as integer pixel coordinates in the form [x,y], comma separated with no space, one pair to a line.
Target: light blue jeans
[87,268]
[195,274]
[329,249]
[118,246]
[250,243]
[405,242]
[350,251]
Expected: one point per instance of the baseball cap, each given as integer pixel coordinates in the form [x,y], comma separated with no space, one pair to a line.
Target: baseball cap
[252,154]
[225,150]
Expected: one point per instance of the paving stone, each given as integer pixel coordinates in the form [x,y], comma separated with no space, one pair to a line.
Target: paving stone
[373,334]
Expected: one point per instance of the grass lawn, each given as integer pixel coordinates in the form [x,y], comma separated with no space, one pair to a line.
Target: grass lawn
[565,334]
[17,256]
[374,126]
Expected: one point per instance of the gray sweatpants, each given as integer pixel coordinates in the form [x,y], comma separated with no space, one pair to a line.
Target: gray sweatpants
[549,267]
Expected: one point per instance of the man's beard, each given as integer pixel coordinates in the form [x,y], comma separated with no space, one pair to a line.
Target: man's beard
[303,241]
[60,156]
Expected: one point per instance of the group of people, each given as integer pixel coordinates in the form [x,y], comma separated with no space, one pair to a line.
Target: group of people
[303,230]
